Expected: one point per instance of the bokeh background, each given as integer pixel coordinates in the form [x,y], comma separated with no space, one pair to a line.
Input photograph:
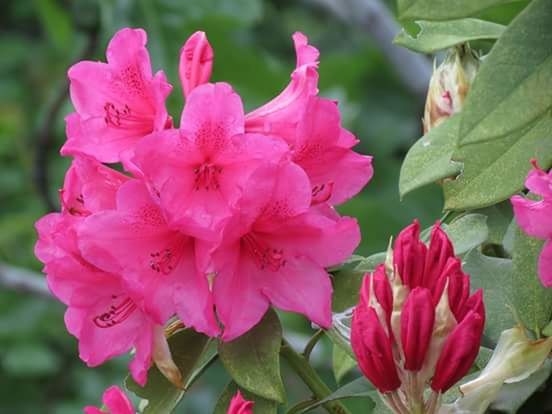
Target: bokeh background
[376,83]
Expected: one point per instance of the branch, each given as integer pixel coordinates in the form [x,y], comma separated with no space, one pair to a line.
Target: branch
[373,17]
[22,280]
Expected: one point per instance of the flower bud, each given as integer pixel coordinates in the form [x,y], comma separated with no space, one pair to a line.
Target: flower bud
[409,255]
[440,250]
[417,319]
[196,62]
[459,352]
[240,405]
[449,86]
[373,349]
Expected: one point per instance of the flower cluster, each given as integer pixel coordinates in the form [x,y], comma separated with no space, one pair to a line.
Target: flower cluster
[535,217]
[230,211]
[416,323]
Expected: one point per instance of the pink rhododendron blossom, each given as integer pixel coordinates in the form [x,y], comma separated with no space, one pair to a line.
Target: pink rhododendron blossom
[323,149]
[274,251]
[416,323]
[115,401]
[156,261]
[117,103]
[196,62]
[199,171]
[102,313]
[281,115]
[239,405]
[535,217]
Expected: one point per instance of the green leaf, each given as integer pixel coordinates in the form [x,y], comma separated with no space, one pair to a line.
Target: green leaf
[512,396]
[253,359]
[494,276]
[429,159]
[187,348]
[342,363]
[443,9]
[547,331]
[496,169]
[532,301]
[512,88]
[261,406]
[369,264]
[499,217]
[434,36]
[467,232]
[338,340]
[359,388]
[346,285]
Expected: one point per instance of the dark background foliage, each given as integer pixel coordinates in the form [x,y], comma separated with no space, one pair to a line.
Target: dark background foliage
[39,367]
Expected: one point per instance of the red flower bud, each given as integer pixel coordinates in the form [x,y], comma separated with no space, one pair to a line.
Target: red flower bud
[459,352]
[409,255]
[373,349]
[417,318]
[196,62]
[458,288]
[239,405]
[382,289]
[440,250]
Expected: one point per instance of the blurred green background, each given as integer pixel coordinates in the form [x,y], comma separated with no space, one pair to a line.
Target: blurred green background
[39,368]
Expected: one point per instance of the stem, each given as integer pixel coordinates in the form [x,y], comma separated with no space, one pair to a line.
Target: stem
[312,343]
[309,376]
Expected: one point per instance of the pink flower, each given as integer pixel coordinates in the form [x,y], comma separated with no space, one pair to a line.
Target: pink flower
[274,250]
[157,262]
[281,115]
[116,402]
[199,171]
[196,62]
[323,149]
[416,322]
[117,103]
[239,405]
[101,308]
[535,217]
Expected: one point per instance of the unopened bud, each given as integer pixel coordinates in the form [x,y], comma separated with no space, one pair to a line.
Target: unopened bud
[449,86]
[196,62]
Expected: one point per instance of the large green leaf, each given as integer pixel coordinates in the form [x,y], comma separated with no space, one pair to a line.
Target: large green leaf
[467,232]
[359,388]
[429,159]
[443,9]
[187,348]
[434,36]
[532,301]
[346,285]
[253,359]
[494,276]
[494,170]
[512,88]
[261,405]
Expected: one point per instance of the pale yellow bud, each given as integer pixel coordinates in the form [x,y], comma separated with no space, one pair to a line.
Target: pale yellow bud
[449,86]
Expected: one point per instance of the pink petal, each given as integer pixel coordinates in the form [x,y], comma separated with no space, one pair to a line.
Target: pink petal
[213,113]
[118,403]
[301,286]
[534,217]
[239,302]
[239,405]
[539,182]
[142,360]
[545,264]
[281,115]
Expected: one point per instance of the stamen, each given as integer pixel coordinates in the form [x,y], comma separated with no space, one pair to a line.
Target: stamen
[207,177]
[163,261]
[265,256]
[116,314]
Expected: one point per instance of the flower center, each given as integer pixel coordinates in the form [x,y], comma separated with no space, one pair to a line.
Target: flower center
[125,118]
[207,177]
[116,314]
[163,261]
[264,256]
